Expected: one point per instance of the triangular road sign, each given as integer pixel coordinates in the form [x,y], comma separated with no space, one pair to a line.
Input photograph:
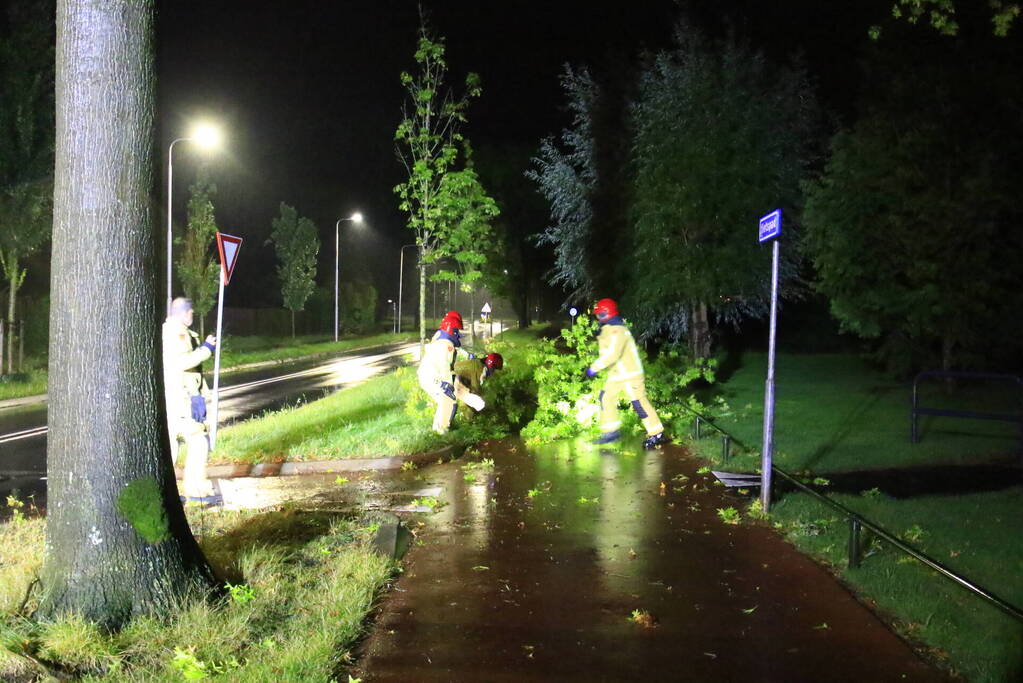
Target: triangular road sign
[228,246]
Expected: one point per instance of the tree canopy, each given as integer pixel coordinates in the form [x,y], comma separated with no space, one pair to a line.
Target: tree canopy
[296,242]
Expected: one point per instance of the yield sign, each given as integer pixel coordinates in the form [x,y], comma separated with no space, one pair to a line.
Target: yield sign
[228,246]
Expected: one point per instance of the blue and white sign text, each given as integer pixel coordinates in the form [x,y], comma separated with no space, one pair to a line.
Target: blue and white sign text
[770,225]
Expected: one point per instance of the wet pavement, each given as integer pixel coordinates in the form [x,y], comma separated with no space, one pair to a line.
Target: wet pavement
[580,564]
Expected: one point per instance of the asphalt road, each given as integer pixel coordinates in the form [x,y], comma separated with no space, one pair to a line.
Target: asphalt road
[242,395]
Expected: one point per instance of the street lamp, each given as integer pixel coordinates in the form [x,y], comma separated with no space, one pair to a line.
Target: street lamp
[401,273]
[354,218]
[205,136]
[394,311]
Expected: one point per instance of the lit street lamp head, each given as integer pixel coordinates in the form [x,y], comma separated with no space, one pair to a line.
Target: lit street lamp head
[356,217]
[206,136]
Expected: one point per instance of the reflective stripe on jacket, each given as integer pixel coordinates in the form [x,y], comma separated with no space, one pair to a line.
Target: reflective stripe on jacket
[618,351]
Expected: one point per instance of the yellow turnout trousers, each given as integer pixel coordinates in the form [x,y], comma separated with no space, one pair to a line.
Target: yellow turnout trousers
[635,392]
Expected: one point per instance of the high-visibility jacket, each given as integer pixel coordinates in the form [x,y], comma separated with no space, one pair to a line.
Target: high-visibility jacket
[472,373]
[619,353]
[182,376]
[438,361]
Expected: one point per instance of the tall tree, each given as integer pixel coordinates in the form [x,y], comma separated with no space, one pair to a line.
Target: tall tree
[721,138]
[297,244]
[26,145]
[915,221]
[197,268]
[117,542]
[448,209]
[566,175]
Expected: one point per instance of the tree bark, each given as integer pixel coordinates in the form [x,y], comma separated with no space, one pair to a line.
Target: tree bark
[699,333]
[422,300]
[118,543]
[14,281]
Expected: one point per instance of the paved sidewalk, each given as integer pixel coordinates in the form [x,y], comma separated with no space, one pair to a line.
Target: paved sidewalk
[576,564]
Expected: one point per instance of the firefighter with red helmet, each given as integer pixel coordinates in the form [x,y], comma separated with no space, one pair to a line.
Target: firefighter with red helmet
[437,373]
[620,357]
[470,374]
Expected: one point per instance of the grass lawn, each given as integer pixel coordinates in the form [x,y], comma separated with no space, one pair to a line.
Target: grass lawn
[377,418]
[835,417]
[237,351]
[301,584]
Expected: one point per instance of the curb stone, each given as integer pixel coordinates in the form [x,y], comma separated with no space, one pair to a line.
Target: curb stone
[288,469]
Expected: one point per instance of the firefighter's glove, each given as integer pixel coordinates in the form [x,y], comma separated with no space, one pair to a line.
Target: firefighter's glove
[211,343]
[449,389]
[590,373]
[199,408]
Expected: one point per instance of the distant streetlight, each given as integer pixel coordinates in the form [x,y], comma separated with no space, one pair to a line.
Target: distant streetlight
[394,311]
[354,218]
[401,273]
[205,136]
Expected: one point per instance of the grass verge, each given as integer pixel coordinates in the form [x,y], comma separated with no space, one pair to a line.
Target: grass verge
[846,428]
[388,415]
[237,352]
[301,584]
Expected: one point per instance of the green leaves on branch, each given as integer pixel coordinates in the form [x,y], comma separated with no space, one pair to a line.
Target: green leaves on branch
[297,244]
[197,269]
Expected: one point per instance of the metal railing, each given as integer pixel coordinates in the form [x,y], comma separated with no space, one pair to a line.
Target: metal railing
[916,410]
[857,523]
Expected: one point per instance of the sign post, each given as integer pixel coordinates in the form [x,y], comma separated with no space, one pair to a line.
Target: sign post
[770,229]
[228,247]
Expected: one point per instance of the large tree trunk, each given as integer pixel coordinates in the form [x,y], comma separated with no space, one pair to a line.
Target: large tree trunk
[117,543]
[699,332]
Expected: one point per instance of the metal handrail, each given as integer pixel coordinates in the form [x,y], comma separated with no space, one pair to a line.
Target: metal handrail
[1006,607]
[856,521]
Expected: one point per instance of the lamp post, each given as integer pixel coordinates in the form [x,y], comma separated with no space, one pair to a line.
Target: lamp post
[394,312]
[401,273]
[206,136]
[355,218]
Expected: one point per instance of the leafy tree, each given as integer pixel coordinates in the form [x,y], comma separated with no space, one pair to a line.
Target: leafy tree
[566,176]
[914,221]
[26,144]
[941,15]
[721,138]
[449,211]
[359,304]
[197,269]
[117,542]
[297,244]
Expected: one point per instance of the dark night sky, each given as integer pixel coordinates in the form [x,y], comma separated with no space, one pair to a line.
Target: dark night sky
[308,94]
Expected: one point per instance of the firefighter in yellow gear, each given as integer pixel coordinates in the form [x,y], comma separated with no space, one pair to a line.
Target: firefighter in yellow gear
[186,395]
[619,355]
[437,373]
[472,373]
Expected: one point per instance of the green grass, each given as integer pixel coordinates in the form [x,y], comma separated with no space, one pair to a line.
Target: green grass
[237,352]
[304,583]
[364,421]
[834,416]
[384,416]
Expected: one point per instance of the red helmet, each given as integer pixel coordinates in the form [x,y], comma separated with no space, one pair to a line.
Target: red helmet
[451,322]
[605,309]
[494,361]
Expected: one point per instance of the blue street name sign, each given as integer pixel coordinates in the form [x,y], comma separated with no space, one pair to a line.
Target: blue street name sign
[770,225]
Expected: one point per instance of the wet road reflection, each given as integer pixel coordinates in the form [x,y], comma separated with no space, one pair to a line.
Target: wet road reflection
[243,394]
[534,570]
